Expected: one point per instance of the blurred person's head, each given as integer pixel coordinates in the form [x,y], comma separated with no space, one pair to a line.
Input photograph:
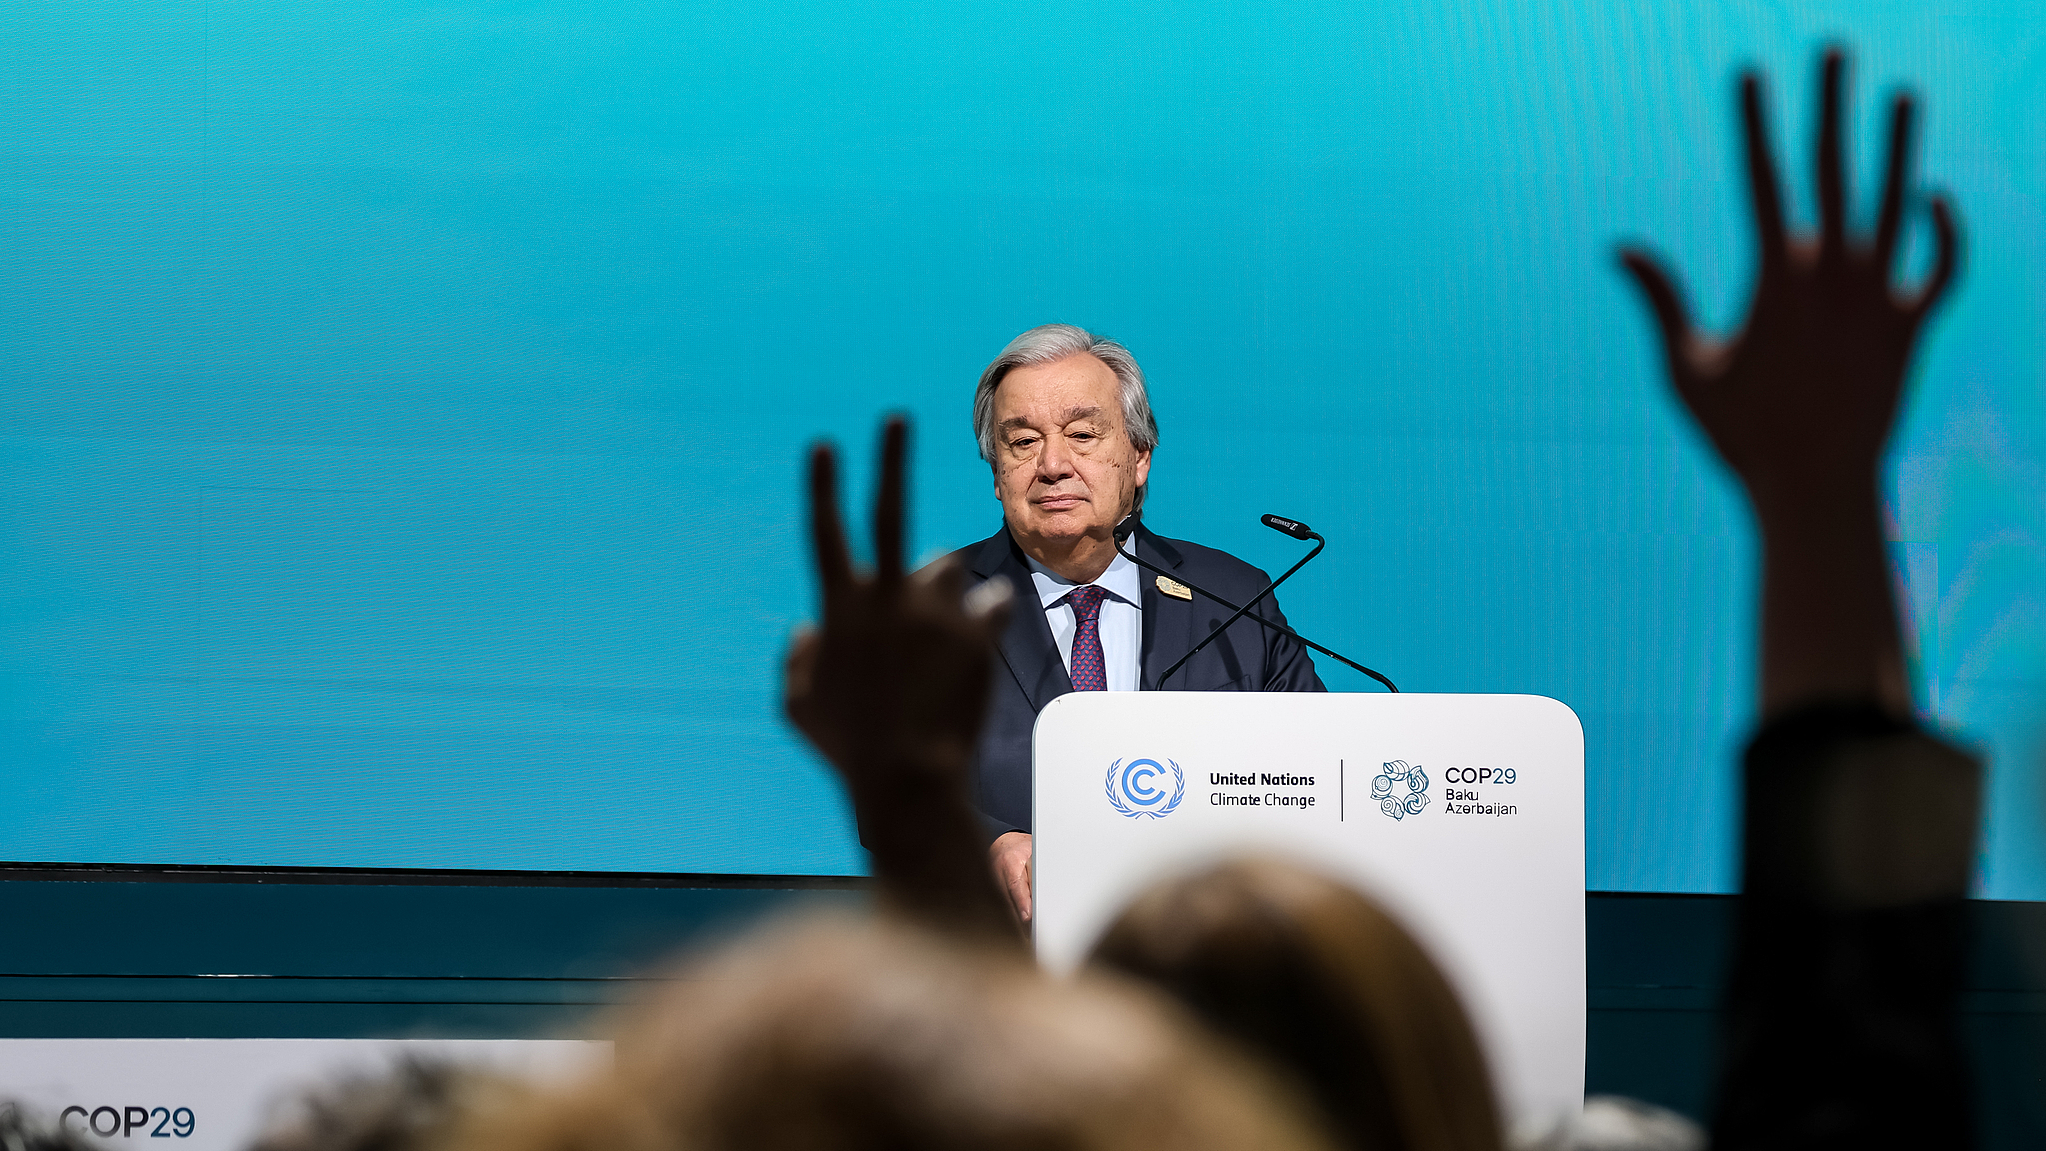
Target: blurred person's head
[22,1130]
[415,1106]
[1612,1123]
[1063,418]
[827,1035]
[1315,977]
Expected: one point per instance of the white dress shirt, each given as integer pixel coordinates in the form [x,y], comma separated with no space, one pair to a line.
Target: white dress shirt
[1121,622]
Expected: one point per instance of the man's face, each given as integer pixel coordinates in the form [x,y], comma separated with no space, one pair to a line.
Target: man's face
[1064,464]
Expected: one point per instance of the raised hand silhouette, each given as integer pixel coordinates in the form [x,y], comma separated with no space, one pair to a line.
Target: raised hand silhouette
[1838,1021]
[892,688]
[1807,389]
[1800,402]
[895,680]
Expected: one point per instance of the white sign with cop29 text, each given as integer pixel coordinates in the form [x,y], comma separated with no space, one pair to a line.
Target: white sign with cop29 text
[218,1094]
[1461,814]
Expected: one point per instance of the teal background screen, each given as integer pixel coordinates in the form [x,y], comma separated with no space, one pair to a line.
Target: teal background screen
[401,405]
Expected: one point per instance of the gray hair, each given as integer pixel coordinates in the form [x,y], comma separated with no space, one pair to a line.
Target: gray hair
[1047,343]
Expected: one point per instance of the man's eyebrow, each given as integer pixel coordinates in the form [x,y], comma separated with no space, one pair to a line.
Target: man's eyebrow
[1070,415]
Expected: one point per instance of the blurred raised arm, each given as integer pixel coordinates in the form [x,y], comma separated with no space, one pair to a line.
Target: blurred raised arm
[1839,1027]
[1800,401]
[891,687]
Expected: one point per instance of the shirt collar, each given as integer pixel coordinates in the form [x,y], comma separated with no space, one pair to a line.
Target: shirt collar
[1121,580]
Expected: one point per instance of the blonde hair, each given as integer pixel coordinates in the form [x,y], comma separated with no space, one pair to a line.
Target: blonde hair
[1312,975]
[829,1035]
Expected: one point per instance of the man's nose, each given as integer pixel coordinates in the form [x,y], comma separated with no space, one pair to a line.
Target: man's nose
[1055,461]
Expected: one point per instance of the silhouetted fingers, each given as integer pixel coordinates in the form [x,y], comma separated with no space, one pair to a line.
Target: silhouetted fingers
[888,514]
[1670,317]
[1945,255]
[944,578]
[1762,193]
[827,537]
[988,605]
[1832,172]
[799,670]
[1890,220]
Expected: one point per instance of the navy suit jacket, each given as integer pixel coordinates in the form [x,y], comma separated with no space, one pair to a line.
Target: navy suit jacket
[1247,657]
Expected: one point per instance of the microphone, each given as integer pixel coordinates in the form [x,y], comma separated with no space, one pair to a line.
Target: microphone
[1293,528]
[1298,531]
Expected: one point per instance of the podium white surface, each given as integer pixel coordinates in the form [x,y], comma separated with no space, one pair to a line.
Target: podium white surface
[1462,814]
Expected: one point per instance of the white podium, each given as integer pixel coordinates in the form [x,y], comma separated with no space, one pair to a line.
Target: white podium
[1462,814]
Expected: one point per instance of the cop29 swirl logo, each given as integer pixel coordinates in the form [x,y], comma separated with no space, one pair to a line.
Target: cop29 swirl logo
[1400,790]
[1139,788]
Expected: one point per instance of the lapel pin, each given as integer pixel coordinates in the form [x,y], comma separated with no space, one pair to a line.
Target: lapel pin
[1174,588]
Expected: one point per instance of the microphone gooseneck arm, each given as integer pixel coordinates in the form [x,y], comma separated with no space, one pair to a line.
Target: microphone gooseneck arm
[1319,543]
[1122,533]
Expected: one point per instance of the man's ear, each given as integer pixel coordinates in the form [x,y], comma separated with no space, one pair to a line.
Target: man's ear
[1143,468]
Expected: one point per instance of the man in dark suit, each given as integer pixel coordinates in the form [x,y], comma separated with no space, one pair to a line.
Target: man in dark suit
[1063,419]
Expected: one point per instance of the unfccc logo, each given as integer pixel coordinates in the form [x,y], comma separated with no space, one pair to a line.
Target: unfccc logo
[1139,788]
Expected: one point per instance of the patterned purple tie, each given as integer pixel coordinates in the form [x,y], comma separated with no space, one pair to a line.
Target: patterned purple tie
[1090,671]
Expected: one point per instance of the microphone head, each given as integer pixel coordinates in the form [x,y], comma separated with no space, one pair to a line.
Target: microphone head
[1294,528]
[1123,530]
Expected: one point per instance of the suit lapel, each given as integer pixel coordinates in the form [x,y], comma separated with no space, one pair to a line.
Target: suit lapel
[1027,648]
[1168,621]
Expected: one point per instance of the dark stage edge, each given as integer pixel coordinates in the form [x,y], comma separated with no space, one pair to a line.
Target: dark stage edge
[200,952]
